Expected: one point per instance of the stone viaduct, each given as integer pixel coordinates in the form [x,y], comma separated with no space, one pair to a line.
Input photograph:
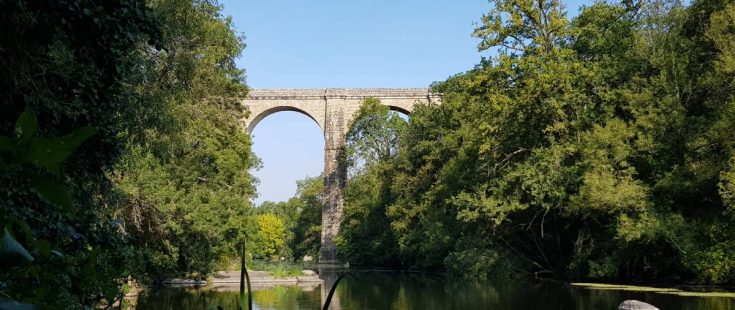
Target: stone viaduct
[332,109]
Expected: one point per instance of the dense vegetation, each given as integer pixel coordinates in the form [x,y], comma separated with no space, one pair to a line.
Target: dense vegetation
[129,160]
[594,148]
[300,218]
[182,185]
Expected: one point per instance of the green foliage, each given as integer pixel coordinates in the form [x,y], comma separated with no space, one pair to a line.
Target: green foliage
[25,154]
[68,63]
[280,269]
[523,26]
[28,153]
[270,237]
[300,218]
[182,185]
[161,187]
[472,261]
[373,135]
[596,148]
[372,143]
[308,224]
[366,237]
[727,186]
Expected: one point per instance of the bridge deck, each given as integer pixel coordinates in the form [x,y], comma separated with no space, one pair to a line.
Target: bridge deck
[301,93]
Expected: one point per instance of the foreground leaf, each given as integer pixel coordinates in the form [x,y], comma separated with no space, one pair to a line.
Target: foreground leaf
[11,251]
[50,152]
[53,191]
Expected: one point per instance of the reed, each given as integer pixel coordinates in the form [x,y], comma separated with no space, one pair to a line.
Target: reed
[245,278]
[332,290]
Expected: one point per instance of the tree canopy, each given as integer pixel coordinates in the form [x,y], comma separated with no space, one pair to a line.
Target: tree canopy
[590,148]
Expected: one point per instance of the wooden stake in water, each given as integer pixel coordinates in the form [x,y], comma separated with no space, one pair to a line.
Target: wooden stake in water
[244,277]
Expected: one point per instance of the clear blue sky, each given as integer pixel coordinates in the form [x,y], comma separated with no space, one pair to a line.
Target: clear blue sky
[341,43]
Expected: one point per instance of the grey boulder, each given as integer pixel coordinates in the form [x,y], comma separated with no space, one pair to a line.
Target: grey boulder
[635,305]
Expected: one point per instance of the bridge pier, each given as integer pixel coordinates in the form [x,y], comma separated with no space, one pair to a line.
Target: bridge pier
[332,109]
[334,183]
[338,116]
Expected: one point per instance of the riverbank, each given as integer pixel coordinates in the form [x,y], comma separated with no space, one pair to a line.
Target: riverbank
[230,281]
[257,278]
[263,278]
[704,292]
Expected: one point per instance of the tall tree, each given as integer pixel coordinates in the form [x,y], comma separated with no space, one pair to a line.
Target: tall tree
[308,226]
[183,187]
[372,143]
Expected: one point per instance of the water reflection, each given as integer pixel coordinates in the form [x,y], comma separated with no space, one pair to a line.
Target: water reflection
[396,290]
[421,291]
[274,297]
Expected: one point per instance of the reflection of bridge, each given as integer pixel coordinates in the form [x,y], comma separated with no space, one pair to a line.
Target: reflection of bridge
[332,109]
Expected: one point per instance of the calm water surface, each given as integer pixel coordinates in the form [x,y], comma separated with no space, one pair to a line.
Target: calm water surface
[421,291]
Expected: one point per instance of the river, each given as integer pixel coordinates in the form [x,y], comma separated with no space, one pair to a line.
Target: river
[404,290]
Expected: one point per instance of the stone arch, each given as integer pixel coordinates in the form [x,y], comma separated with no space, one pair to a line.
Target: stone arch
[405,105]
[257,116]
[400,109]
[262,108]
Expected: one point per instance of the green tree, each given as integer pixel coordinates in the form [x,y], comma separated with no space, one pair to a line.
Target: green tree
[308,226]
[162,188]
[373,135]
[372,143]
[182,186]
[301,217]
[523,26]
[270,238]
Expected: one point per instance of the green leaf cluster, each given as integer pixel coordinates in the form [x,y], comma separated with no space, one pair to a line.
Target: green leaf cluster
[270,238]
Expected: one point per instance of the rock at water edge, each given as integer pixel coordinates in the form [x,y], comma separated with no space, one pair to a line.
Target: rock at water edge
[635,305]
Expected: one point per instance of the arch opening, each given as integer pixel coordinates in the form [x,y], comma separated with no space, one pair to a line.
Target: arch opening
[263,114]
[290,148]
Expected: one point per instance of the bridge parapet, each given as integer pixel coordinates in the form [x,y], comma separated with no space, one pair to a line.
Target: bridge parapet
[304,93]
